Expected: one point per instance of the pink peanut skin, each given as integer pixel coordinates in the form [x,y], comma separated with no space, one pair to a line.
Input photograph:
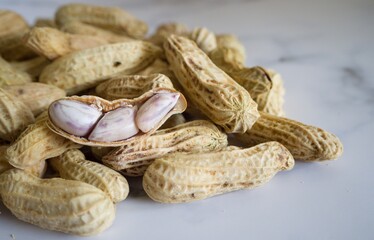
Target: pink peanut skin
[154,109]
[115,125]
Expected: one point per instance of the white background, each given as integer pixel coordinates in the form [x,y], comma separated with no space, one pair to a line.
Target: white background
[324,51]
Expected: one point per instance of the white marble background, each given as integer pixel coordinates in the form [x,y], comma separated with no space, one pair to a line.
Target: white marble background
[325,51]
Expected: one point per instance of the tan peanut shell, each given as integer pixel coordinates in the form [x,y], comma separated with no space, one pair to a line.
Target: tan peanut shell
[15,116]
[275,100]
[105,106]
[180,177]
[229,54]
[234,49]
[12,27]
[36,144]
[32,66]
[37,96]
[10,75]
[36,170]
[205,39]
[112,18]
[80,28]
[165,30]
[52,43]
[305,142]
[84,69]
[131,86]
[56,204]
[264,86]
[191,137]
[209,88]
[73,165]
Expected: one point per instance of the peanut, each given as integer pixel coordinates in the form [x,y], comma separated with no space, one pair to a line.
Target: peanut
[10,75]
[51,43]
[229,54]
[72,165]
[205,39]
[10,34]
[180,177]
[15,116]
[116,125]
[33,66]
[305,142]
[264,86]
[114,19]
[76,118]
[191,137]
[131,86]
[80,28]
[56,204]
[215,93]
[165,30]
[154,110]
[36,96]
[36,170]
[84,69]
[12,27]
[36,144]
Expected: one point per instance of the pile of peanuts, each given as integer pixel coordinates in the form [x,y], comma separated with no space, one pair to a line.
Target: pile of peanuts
[158,107]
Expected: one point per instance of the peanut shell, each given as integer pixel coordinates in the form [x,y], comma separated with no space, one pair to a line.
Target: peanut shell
[181,177]
[56,204]
[84,69]
[37,96]
[10,75]
[131,86]
[106,106]
[80,28]
[305,142]
[52,43]
[191,137]
[209,88]
[72,165]
[111,18]
[36,144]
[15,116]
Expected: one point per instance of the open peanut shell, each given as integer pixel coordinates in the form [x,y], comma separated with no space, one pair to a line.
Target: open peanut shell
[105,106]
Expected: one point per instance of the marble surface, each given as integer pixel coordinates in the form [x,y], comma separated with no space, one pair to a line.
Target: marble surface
[324,51]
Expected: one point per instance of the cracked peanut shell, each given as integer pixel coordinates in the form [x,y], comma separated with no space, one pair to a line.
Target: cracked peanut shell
[106,106]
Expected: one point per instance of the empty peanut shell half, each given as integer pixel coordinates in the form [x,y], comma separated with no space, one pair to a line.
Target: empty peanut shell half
[94,121]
